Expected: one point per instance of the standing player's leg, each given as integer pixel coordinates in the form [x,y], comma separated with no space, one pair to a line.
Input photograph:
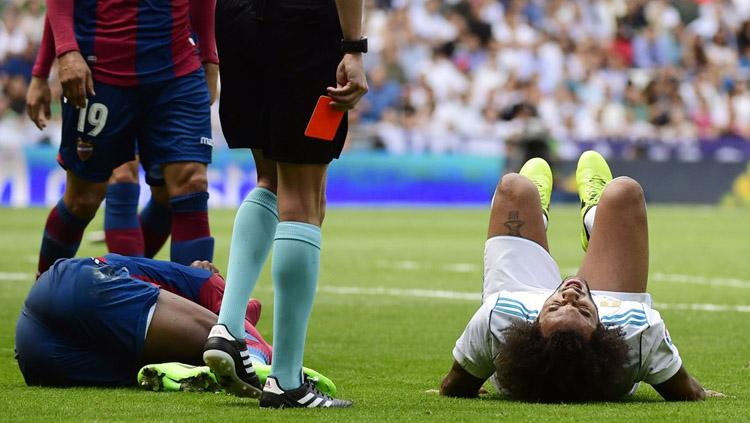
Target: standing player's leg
[252,236]
[68,219]
[122,230]
[156,221]
[95,140]
[615,219]
[187,184]
[175,133]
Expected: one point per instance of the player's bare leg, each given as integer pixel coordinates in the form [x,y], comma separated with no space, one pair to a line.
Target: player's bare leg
[617,256]
[187,185]
[177,331]
[517,210]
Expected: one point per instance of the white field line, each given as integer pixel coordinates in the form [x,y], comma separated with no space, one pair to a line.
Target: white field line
[475,297]
[16,276]
[654,277]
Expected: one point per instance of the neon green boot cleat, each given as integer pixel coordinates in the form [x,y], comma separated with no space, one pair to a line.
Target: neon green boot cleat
[184,377]
[539,172]
[592,175]
[177,377]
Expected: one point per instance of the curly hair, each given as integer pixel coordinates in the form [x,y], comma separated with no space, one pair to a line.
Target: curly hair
[564,367]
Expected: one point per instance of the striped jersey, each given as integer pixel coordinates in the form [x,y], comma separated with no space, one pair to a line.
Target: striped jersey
[131,42]
[652,357]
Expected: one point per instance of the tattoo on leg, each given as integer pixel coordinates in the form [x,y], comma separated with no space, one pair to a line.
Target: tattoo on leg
[513,224]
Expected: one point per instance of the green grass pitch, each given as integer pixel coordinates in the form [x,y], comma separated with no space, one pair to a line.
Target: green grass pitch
[379,331]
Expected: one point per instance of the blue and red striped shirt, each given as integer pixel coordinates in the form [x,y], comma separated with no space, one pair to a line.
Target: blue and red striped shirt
[131,42]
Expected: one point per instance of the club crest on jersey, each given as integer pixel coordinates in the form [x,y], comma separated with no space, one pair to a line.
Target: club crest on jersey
[84,149]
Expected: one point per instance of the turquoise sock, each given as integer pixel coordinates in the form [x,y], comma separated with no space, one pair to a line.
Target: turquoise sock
[252,236]
[296,261]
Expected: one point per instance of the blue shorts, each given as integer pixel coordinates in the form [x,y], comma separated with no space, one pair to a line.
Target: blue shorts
[84,324]
[169,122]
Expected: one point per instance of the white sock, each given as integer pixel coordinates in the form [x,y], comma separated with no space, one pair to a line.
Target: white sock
[544,217]
[588,219]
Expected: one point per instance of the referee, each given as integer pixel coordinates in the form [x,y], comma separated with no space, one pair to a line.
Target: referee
[277,58]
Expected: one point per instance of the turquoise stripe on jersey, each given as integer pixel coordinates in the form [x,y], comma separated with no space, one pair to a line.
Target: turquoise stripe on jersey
[516,302]
[511,306]
[631,322]
[633,311]
[513,313]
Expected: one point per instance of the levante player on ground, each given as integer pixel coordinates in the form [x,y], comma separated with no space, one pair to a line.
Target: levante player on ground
[133,72]
[95,321]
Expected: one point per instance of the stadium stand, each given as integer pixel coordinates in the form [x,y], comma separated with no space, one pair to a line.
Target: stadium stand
[639,79]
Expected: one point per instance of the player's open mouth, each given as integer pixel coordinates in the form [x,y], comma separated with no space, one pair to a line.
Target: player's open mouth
[573,283]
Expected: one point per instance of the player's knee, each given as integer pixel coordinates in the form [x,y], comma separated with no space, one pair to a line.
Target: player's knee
[84,204]
[190,180]
[515,187]
[124,174]
[624,192]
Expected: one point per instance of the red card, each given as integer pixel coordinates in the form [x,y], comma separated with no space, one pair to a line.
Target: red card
[325,120]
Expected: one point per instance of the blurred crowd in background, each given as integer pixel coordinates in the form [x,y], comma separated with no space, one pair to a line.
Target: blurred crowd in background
[478,76]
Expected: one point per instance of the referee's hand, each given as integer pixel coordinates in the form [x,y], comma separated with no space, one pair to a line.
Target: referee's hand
[351,82]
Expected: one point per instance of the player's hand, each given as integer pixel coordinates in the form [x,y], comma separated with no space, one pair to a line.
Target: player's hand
[206,265]
[38,99]
[713,394]
[75,78]
[212,78]
[351,82]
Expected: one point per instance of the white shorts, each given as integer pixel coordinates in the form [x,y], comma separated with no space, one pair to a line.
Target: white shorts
[517,264]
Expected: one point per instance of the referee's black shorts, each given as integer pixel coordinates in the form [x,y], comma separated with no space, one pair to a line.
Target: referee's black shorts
[277,58]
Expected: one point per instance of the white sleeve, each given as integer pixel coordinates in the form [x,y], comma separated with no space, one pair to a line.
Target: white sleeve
[661,360]
[473,350]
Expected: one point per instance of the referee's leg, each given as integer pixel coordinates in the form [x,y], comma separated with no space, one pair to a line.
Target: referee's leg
[296,264]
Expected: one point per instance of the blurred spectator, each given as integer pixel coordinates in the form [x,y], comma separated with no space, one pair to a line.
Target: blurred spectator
[445,75]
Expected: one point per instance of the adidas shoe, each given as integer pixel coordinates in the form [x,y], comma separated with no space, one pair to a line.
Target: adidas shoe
[306,396]
[539,172]
[177,377]
[230,361]
[322,383]
[592,175]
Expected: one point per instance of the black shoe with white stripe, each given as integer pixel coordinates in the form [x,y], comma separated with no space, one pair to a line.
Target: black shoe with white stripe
[229,359]
[306,396]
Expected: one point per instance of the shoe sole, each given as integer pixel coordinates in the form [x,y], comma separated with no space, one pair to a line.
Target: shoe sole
[153,380]
[222,365]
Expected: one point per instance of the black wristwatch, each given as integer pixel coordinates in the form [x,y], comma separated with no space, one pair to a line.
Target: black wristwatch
[357,46]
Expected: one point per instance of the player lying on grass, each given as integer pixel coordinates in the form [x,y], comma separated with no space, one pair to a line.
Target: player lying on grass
[594,336]
[95,321]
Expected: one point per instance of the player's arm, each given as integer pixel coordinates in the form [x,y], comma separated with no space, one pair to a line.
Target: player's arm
[38,96]
[351,81]
[681,387]
[75,75]
[202,23]
[459,383]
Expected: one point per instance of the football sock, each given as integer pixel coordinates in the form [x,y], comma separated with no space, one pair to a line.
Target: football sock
[62,236]
[252,237]
[122,231]
[191,235]
[296,261]
[156,224]
[588,220]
